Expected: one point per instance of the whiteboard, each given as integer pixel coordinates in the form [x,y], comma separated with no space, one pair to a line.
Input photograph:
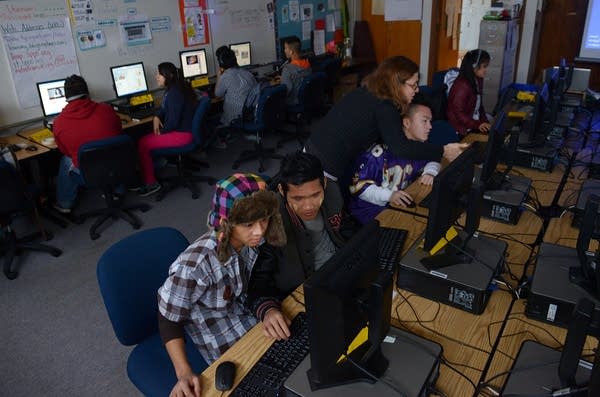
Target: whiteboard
[235,21]
[231,21]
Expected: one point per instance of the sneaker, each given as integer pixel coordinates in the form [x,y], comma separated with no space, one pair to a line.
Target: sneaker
[60,209]
[149,189]
[220,144]
[135,188]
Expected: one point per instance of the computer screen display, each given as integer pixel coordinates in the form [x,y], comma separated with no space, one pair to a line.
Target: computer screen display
[449,195]
[348,292]
[534,126]
[52,96]
[242,53]
[129,79]
[496,138]
[193,63]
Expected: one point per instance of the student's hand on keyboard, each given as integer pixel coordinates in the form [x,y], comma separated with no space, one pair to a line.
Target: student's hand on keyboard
[400,199]
[276,324]
[484,127]
[426,179]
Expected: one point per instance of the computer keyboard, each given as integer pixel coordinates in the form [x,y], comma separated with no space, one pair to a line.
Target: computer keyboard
[267,376]
[141,113]
[391,242]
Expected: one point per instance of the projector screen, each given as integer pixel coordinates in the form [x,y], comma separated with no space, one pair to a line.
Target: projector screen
[590,42]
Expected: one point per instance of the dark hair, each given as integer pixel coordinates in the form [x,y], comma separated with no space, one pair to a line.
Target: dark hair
[293,43]
[226,57]
[173,78]
[472,60]
[298,168]
[418,100]
[386,80]
[75,86]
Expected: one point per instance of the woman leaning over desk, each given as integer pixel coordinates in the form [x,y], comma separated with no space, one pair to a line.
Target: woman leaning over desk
[172,124]
[370,114]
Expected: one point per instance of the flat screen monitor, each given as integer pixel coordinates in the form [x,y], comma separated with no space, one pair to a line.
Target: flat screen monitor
[348,292]
[243,53]
[450,195]
[193,63]
[129,79]
[534,126]
[496,138]
[52,96]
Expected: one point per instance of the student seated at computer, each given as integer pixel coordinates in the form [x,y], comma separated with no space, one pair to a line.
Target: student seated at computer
[81,121]
[371,114]
[315,221]
[380,177]
[207,284]
[172,124]
[234,84]
[295,70]
[465,109]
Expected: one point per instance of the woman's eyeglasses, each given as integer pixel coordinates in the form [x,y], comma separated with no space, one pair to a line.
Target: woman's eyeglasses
[414,86]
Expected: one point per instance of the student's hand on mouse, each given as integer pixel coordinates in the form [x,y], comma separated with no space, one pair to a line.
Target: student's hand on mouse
[188,385]
[484,127]
[400,199]
[156,125]
[276,325]
[426,179]
[453,150]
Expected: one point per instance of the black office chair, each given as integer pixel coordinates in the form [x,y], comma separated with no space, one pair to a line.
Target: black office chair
[269,115]
[331,66]
[107,164]
[185,177]
[16,199]
[311,97]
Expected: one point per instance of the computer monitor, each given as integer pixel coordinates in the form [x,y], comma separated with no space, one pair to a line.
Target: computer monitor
[452,192]
[193,63]
[493,149]
[535,131]
[129,79]
[52,96]
[243,53]
[345,295]
[587,273]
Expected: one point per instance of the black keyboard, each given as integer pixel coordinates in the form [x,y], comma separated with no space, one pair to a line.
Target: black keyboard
[391,242]
[267,376]
[141,113]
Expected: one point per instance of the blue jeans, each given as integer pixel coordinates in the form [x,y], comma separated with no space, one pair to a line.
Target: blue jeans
[67,183]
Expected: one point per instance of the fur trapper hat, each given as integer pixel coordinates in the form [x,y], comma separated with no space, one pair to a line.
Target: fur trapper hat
[243,198]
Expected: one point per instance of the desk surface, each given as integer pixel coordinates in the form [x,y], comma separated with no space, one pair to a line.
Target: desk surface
[24,154]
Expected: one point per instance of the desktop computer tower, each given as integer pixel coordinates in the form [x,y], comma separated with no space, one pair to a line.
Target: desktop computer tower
[464,285]
[505,203]
[535,372]
[589,187]
[538,157]
[552,296]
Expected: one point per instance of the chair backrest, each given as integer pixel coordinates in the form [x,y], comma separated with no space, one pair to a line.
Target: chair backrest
[109,162]
[12,190]
[129,275]
[198,120]
[312,91]
[271,107]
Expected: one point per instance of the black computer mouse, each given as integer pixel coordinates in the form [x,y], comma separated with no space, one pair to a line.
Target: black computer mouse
[410,204]
[224,376]
[31,148]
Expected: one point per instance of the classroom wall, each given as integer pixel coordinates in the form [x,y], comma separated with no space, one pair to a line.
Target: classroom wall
[229,21]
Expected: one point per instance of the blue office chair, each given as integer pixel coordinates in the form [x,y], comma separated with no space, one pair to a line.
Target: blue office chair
[311,96]
[16,199]
[442,133]
[185,177]
[129,275]
[269,115]
[109,164]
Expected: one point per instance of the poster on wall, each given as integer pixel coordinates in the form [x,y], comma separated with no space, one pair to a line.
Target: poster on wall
[194,22]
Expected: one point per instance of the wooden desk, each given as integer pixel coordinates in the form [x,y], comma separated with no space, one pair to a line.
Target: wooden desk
[24,154]
[29,133]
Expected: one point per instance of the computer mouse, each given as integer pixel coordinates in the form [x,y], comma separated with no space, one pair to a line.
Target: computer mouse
[224,376]
[410,204]
[31,148]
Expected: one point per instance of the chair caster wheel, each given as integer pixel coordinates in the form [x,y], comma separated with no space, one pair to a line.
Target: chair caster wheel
[145,208]
[11,275]
[56,253]
[235,166]
[94,236]
[194,196]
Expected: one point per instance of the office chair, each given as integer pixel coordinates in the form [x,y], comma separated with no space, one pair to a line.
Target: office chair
[184,176]
[14,200]
[129,274]
[331,66]
[311,95]
[269,114]
[442,133]
[108,164]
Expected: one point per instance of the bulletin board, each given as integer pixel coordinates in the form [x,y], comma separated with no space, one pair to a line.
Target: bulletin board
[298,18]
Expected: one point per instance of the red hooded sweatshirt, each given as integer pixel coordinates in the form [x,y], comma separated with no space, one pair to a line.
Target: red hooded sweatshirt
[82,121]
